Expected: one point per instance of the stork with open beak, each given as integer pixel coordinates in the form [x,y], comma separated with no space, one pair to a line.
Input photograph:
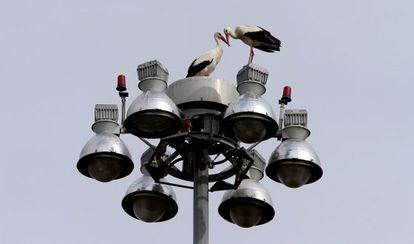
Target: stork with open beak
[205,64]
[255,37]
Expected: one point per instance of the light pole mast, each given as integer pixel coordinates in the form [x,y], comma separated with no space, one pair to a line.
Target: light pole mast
[200,209]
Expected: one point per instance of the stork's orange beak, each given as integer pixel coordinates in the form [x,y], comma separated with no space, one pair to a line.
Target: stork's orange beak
[226,40]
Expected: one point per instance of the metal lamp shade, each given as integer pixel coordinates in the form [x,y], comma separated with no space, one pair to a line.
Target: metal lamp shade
[153,115]
[149,201]
[250,201]
[250,119]
[296,161]
[105,157]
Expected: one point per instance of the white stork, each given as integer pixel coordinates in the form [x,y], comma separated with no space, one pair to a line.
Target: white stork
[205,64]
[255,37]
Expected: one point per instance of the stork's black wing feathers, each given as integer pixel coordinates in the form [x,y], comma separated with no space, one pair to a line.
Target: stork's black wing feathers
[266,49]
[269,42]
[264,30]
[194,69]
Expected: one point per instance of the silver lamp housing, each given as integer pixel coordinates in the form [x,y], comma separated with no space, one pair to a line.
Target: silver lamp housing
[294,152]
[252,194]
[105,153]
[147,200]
[152,114]
[250,118]
[294,162]
[146,187]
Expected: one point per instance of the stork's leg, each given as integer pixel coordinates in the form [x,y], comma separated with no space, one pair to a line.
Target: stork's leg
[251,55]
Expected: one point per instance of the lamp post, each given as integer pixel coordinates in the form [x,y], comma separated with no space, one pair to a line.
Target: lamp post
[201,123]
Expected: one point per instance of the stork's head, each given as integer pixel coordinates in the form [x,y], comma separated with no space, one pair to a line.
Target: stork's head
[218,35]
[227,31]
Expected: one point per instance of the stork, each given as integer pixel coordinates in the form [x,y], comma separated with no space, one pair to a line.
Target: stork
[205,64]
[255,37]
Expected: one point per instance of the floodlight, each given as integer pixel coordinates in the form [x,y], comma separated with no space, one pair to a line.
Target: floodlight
[250,118]
[149,201]
[105,156]
[294,162]
[152,114]
[249,205]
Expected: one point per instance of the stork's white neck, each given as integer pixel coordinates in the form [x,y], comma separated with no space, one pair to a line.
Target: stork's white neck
[218,49]
[218,41]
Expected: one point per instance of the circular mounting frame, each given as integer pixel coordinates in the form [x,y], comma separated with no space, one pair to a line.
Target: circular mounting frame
[196,147]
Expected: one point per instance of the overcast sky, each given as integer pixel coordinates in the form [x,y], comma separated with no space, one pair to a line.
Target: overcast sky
[349,63]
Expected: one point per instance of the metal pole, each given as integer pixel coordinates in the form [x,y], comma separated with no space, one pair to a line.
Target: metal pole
[200,221]
[123,111]
[281,116]
[281,119]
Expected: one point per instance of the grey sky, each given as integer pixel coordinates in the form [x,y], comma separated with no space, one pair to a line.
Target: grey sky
[350,64]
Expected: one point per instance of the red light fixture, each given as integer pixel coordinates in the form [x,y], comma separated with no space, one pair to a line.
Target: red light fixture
[287,92]
[286,97]
[121,86]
